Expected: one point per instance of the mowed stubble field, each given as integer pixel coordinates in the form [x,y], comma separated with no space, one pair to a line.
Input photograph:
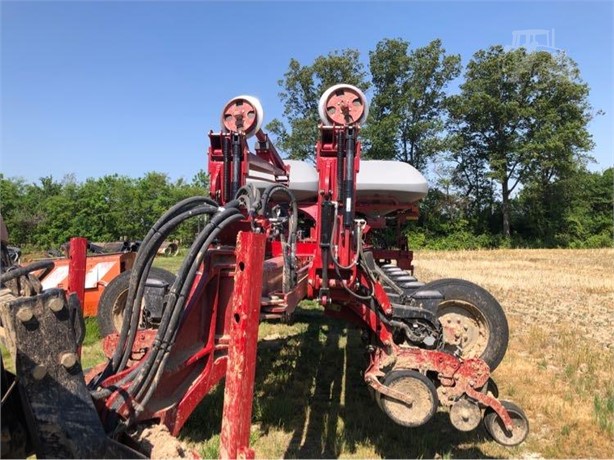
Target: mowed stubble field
[310,401]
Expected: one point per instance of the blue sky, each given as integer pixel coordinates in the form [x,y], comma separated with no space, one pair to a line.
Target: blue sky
[95,88]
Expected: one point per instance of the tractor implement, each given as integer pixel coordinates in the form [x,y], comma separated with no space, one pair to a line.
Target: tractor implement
[277,232]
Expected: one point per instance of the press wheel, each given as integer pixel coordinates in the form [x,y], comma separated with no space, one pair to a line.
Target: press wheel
[496,429]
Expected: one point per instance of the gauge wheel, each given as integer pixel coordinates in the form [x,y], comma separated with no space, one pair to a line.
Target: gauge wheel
[473,321]
[496,429]
[113,299]
[419,388]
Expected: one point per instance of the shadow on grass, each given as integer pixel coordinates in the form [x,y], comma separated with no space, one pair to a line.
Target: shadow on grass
[311,386]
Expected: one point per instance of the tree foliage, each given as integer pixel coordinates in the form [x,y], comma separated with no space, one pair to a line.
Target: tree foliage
[109,208]
[407,109]
[520,117]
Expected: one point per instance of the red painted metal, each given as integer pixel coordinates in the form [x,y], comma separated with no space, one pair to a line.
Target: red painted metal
[76,268]
[241,366]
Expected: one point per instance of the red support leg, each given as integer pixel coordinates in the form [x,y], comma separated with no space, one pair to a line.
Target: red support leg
[241,367]
[76,267]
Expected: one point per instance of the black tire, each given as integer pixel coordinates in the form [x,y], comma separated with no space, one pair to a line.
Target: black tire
[468,304]
[113,299]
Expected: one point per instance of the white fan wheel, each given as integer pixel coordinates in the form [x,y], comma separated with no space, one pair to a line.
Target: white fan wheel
[242,114]
[343,104]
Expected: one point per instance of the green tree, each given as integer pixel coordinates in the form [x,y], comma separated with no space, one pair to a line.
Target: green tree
[519,115]
[575,211]
[406,119]
[302,87]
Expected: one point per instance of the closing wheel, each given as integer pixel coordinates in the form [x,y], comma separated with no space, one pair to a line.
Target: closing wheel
[343,105]
[495,427]
[472,320]
[242,114]
[113,299]
[419,388]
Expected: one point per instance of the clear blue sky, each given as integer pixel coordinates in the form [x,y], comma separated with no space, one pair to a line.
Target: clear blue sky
[94,88]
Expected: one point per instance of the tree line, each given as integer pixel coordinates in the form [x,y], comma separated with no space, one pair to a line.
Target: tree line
[506,154]
[45,214]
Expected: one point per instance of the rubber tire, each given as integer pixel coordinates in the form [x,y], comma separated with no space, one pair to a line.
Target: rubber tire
[487,305]
[115,289]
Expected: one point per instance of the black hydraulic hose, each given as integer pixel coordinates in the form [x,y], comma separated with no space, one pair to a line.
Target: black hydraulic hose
[172,312]
[163,227]
[22,271]
[151,383]
[253,198]
[180,279]
[354,294]
[146,380]
[138,278]
[289,267]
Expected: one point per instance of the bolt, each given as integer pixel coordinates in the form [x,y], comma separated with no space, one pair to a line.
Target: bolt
[68,360]
[56,305]
[25,314]
[39,372]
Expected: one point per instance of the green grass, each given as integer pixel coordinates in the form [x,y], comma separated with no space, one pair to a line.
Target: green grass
[171,264]
[604,411]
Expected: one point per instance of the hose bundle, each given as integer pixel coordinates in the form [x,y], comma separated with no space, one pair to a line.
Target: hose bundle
[143,379]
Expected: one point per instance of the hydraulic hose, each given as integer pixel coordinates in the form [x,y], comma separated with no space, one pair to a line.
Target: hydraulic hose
[150,384]
[146,380]
[292,229]
[138,277]
[176,214]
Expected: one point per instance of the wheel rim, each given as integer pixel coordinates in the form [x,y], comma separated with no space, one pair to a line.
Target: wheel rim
[465,327]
